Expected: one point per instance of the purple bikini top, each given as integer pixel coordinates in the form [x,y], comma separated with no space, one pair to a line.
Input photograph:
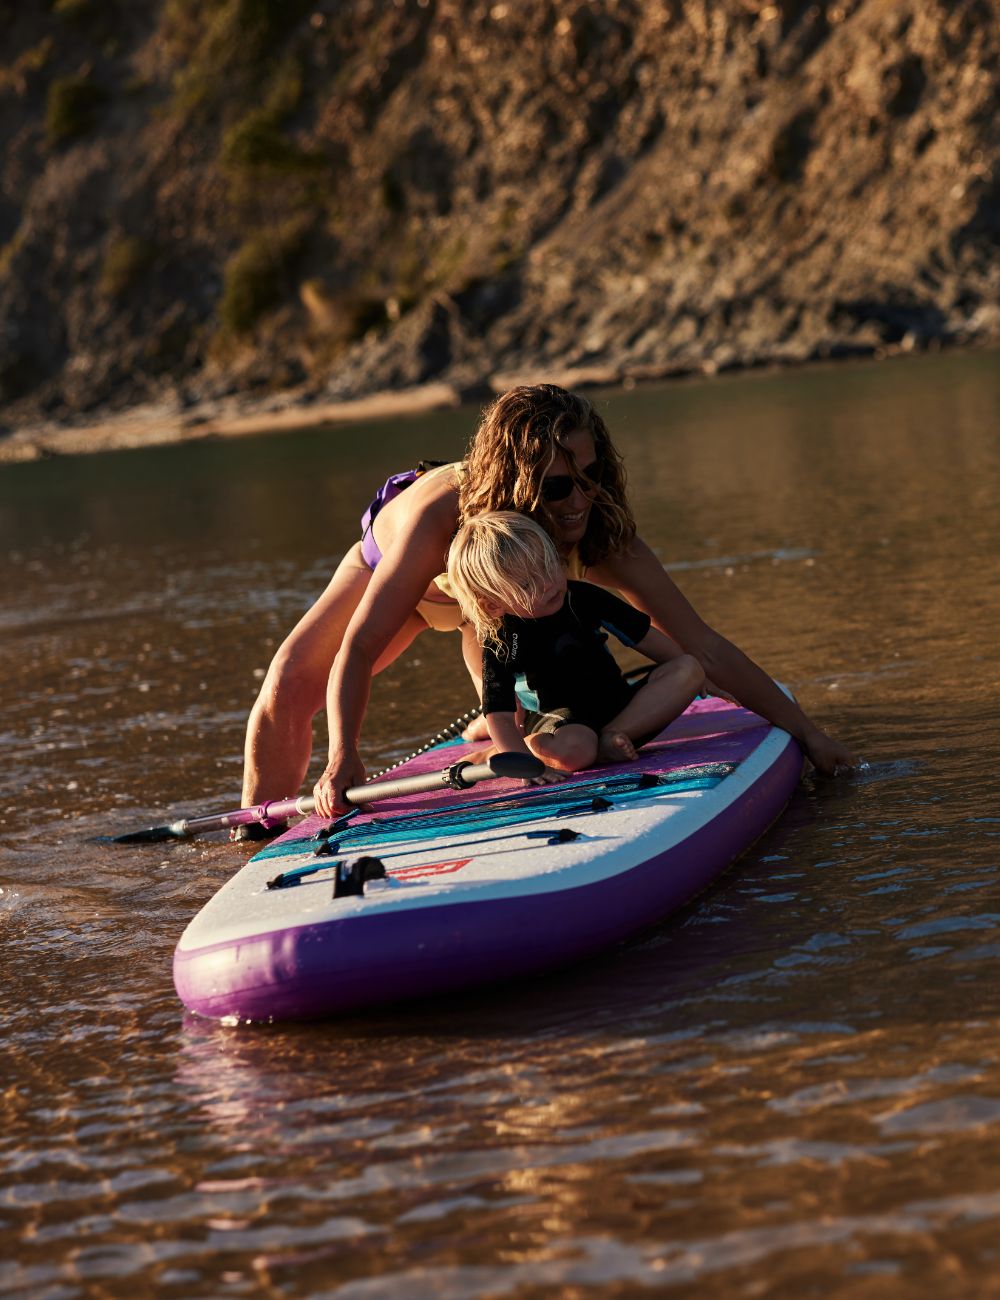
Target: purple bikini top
[390,489]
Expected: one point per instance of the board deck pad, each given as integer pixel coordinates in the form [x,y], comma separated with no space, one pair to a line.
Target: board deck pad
[500,881]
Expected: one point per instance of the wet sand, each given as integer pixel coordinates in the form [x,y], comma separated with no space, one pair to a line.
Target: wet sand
[156,425]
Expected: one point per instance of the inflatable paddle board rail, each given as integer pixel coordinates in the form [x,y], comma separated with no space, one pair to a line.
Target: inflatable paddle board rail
[466,903]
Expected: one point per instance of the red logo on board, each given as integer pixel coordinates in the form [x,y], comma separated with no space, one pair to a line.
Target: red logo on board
[430,869]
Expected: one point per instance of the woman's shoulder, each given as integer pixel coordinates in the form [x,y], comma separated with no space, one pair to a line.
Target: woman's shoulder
[634,555]
[430,499]
[449,472]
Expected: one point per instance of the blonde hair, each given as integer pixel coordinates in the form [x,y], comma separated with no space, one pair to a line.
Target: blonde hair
[500,559]
[516,442]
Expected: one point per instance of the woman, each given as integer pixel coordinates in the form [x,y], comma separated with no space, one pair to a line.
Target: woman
[539,450]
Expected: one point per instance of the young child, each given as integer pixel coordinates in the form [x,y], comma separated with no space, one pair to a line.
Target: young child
[506,574]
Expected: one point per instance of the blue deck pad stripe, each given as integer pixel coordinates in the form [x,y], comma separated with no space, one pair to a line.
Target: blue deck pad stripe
[507,810]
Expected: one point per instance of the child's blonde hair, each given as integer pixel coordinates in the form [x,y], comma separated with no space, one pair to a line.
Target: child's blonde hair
[502,559]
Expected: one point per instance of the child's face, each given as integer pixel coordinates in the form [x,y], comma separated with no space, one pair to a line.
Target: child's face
[548,601]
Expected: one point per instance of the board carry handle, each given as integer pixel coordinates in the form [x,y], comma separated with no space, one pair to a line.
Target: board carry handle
[460,776]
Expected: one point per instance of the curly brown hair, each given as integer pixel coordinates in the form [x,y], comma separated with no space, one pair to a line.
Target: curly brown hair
[516,442]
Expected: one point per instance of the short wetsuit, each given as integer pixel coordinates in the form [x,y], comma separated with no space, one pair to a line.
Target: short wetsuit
[566,661]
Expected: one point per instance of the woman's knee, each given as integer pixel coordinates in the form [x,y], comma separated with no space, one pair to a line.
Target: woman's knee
[294,682]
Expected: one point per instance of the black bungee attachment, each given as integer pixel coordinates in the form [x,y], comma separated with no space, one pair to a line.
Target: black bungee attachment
[286,879]
[561,836]
[350,878]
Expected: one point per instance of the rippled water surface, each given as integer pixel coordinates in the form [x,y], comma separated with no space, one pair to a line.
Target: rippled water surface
[792,1089]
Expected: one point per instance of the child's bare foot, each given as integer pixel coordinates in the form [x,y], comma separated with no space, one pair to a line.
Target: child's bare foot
[615,747]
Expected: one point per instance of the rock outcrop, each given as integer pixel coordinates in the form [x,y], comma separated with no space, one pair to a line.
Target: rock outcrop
[246,197]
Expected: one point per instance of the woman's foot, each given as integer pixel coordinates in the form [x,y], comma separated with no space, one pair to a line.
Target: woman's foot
[615,747]
[257,832]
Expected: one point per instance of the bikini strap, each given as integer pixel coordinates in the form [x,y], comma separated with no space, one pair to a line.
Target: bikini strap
[392,487]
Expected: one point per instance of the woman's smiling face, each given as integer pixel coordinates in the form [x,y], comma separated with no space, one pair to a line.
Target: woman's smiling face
[569,516]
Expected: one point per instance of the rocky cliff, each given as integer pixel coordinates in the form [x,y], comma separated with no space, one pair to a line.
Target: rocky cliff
[211,197]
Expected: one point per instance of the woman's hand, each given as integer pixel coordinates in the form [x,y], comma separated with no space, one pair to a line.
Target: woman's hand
[339,775]
[710,688]
[829,756]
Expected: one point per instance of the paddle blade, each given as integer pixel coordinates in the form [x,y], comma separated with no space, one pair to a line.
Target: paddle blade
[523,766]
[151,835]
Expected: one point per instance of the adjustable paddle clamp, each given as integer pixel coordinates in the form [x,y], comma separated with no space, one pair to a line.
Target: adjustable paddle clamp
[455,780]
[517,766]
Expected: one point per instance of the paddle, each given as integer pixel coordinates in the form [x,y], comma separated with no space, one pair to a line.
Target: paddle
[460,776]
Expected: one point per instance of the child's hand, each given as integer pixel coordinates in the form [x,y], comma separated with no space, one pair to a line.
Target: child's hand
[550,776]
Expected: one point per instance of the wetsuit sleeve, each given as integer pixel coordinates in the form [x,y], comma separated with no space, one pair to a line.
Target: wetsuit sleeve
[603,609]
[499,695]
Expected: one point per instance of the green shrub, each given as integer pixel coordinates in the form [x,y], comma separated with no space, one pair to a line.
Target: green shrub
[125,262]
[257,277]
[71,108]
[223,48]
[258,142]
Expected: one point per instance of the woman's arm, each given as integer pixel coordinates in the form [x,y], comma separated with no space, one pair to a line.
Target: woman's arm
[659,647]
[414,558]
[643,581]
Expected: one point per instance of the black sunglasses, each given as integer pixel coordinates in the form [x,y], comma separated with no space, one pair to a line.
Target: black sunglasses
[557,487]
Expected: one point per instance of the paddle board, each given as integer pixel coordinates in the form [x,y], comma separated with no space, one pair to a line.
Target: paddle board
[438,892]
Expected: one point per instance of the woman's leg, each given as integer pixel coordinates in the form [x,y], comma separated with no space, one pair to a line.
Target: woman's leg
[472,653]
[279,731]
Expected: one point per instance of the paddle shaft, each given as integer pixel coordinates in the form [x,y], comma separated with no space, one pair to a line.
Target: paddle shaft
[459,776]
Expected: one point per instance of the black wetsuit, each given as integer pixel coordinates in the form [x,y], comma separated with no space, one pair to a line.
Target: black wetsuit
[565,658]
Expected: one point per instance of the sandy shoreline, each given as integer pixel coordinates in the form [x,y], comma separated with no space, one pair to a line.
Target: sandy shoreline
[159,425]
[168,423]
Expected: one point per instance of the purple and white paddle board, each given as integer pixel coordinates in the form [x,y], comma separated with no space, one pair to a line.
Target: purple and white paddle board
[498,882]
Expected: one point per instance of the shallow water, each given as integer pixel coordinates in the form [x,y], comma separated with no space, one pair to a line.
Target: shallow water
[793,1088]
